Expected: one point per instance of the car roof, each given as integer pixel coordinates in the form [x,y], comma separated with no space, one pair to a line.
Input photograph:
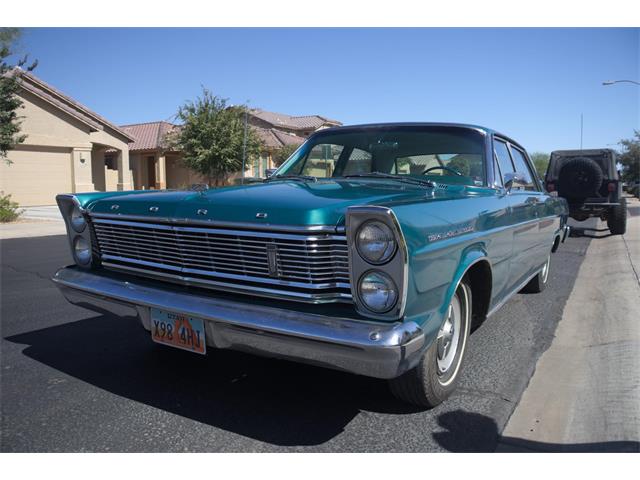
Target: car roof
[365,126]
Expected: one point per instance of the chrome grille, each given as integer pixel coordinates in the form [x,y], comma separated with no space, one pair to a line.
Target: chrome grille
[305,266]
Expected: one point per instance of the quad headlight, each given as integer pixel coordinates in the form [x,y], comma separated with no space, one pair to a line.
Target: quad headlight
[377,291]
[77,220]
[375,242]
[81,250]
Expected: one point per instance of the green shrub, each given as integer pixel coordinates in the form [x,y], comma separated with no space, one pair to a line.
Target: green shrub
[8,210]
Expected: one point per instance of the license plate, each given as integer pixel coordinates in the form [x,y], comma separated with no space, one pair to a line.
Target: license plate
[178,330]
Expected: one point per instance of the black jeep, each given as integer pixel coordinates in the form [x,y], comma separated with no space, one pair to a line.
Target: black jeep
[589,181]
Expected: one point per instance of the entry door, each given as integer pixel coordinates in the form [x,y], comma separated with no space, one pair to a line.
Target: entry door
[151,172]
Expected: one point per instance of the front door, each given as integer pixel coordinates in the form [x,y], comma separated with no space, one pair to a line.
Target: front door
[151,172]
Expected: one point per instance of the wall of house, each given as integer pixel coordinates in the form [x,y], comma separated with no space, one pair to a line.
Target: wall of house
[45,125]
[60,154]
[179,176]
[111,180]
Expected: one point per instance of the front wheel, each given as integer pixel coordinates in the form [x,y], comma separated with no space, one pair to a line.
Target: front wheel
[436,376]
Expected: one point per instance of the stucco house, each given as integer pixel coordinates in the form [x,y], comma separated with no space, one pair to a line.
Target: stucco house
[64,148]
[71,149]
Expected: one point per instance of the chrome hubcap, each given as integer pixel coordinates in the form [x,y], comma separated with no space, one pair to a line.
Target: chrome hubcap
[545,270]
[448,336]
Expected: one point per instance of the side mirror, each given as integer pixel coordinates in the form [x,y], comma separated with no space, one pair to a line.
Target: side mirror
[270,171]
[514,179]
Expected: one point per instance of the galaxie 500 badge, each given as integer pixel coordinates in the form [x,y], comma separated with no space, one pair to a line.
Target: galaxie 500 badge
[456,230]
[178,330]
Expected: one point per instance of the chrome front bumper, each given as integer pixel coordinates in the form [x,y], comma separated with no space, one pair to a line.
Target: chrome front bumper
[374,349]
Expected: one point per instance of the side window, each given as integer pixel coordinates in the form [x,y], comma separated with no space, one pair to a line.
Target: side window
[359,162]
[523,167]
[502,156]
[322,159]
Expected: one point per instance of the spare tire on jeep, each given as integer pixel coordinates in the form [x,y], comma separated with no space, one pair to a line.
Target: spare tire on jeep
[580,177]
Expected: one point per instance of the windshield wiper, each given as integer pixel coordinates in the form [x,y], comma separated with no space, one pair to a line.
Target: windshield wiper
[393,176]
[301,178]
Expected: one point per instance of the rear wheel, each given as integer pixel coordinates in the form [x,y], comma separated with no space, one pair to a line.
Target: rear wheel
[617,218]
[538,283]
[436,376]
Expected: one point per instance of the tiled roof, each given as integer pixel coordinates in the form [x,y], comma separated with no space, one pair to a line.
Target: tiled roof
[36,86]
[303,122]
[273,138]
[148,136]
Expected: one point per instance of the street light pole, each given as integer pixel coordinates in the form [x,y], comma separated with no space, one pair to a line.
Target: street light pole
[611,82]
[244,144]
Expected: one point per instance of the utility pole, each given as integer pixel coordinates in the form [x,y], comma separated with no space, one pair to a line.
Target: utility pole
[244,143]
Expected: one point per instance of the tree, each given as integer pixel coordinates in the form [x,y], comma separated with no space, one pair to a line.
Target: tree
[9,86]
[211,137]
[629,158]
[283,153]
[540,162]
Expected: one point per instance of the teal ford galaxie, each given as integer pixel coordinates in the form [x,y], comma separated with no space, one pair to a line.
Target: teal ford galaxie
[373,249]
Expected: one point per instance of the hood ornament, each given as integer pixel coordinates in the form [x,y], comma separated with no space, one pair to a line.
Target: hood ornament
[199,187]
[201,211]
[115,207]
[154,209]
[261,215]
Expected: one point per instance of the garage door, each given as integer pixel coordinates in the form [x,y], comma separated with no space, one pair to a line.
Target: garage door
[36,176]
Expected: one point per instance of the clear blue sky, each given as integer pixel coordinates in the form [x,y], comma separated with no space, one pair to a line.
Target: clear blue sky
[532,84]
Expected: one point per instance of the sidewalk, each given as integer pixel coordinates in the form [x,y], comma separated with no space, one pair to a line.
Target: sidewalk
[34,222]
[585,392]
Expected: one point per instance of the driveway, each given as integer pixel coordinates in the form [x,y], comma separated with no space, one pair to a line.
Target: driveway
[34,222]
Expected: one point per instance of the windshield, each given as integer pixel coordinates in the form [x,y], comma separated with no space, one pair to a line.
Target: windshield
[442,154]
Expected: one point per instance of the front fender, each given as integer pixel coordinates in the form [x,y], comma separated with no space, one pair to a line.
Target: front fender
[433,319]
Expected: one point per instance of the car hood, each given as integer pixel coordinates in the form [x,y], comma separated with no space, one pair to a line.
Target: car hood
[278,202]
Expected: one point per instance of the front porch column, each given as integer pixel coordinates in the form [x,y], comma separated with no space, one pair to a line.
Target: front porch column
[82,168]
[124,174]
[161,172]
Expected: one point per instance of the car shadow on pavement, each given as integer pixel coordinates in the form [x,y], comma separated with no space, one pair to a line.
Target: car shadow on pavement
[274,401]
[457,424]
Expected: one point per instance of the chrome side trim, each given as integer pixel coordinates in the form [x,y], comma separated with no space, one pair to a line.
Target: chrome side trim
[375,349]
[213,223]
[511,294]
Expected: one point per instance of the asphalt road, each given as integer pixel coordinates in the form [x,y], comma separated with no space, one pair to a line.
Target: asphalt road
[74,380]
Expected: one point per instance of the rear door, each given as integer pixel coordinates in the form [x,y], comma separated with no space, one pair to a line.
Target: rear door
[523,202]
[548,221]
